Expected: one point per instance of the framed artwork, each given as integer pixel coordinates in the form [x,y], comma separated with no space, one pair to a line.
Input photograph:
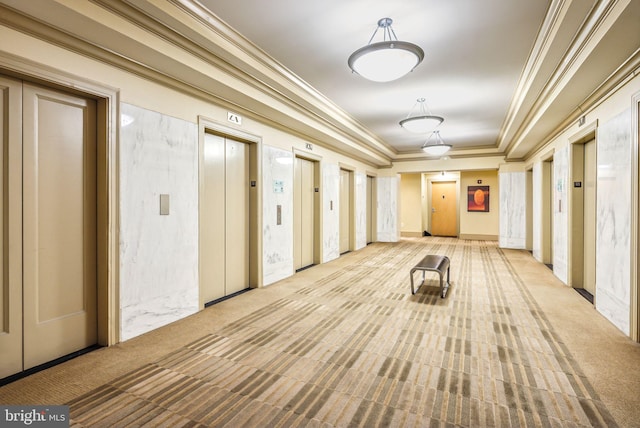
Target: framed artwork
[478,198]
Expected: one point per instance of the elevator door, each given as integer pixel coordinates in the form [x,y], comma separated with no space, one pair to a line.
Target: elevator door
[345,211]
[56,187]
[370,205]
[552,207]
[225,222]
[589,219]
[304,209]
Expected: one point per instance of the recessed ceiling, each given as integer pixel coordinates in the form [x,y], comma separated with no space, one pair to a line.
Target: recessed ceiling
[475,53]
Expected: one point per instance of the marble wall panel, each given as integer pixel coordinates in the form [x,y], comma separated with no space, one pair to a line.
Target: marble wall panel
[513,210]
[560,218]
[537,211]
[361,210]
[158,253]
[330,212]
[387,209]
[613,220]
[277,239]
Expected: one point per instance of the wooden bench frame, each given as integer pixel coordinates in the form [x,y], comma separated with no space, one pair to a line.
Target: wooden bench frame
[433,263]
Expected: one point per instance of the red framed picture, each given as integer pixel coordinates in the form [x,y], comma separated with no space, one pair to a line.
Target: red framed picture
[478,198]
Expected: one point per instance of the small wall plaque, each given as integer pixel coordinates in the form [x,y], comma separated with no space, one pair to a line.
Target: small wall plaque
[164,204]
[234,118]
[278,186]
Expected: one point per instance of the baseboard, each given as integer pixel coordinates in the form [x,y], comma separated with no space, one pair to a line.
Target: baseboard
[410,234]
[473,237]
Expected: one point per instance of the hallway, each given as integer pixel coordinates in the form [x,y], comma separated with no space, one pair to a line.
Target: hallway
[345,343]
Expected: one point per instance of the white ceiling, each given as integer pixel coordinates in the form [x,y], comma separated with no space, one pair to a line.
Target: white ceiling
[475,54]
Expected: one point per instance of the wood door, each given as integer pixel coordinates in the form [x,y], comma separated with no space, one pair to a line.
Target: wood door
[345,211]
[304,213]
[589,218]
[443,208]
[59,224]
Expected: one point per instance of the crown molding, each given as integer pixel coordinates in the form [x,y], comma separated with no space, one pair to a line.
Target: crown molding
[196,30]
[517,137]
[122,35]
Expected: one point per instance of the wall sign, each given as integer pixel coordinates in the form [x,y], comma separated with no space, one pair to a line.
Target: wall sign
[278,186]
[234,118]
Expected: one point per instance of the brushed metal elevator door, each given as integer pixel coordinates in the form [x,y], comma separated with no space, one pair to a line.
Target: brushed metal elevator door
[370,216]
[225,223]
[589,213]
[237,216]
[345,211]
[304,210]
[212,229]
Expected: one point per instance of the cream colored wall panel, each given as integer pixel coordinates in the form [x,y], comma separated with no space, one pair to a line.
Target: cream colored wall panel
[410,203]
[480,223]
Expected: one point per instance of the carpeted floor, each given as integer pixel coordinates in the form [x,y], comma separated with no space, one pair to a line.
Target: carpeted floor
[346,344]
[355,348]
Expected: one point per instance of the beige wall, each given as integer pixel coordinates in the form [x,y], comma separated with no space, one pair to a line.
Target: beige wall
[411,204]
[478,225]
[415,204]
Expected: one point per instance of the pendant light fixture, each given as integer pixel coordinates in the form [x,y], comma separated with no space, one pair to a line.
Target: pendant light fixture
[387,60]
[437,147]
[421,122]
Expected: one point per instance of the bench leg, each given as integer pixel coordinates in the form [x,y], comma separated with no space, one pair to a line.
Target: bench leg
[445,288]
[413,291]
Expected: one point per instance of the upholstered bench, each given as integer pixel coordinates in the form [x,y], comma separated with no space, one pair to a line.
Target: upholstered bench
[434,264]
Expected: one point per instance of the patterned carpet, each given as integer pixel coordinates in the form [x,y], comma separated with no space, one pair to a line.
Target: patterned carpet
[357,349]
